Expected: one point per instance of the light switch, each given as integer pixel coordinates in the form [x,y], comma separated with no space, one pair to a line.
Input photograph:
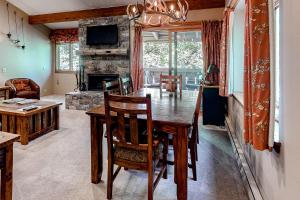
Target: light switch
[4,70]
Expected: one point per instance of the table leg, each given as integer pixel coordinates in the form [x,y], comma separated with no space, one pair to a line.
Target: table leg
[182,162]
[7,174]
[175,157]
[56,117]
[24,128]
[96,149]
[5,123]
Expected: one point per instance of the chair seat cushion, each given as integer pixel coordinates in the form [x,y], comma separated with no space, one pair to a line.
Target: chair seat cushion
[138,155]
[27,94]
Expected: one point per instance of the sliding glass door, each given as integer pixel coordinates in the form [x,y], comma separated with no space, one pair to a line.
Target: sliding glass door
[174,53]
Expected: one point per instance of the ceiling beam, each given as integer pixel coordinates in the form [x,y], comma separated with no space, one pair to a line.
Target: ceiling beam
[76,15]
[113,11]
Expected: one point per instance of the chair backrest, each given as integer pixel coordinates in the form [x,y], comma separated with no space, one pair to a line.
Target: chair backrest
[123,111]
[172,81]
[113,87]
[126,85]
[196,114]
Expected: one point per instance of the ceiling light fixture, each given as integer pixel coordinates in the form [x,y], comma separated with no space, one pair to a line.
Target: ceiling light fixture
[158,12]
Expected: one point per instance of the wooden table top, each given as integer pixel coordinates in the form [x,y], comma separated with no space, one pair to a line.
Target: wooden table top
[16,109]
[165,109]
[7,138]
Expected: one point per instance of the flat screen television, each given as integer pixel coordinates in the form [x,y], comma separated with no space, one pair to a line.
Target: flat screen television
[102,35]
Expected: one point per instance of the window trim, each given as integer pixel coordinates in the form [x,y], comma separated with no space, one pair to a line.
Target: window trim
[57,70]
[277,143]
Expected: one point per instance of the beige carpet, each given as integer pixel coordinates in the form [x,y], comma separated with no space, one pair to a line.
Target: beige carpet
[56,166]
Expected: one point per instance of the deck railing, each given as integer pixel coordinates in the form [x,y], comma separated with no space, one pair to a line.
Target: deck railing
[191,77]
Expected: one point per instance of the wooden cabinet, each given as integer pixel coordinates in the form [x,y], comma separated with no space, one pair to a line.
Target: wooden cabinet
[213,106]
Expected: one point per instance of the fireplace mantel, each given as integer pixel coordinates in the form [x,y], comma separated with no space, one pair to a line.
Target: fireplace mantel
[91,52]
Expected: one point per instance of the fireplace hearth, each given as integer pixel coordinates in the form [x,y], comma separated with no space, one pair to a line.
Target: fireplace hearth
[95,80]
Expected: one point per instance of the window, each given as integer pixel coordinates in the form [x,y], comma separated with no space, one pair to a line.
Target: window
[277,71]
[175,53]
[66,58]
[236,51]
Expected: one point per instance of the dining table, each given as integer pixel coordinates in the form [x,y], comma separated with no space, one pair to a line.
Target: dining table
[171,114]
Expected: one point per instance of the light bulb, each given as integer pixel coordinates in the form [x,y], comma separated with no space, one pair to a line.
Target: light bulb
[155,3]
[134,9]
[177,14]
[171,7]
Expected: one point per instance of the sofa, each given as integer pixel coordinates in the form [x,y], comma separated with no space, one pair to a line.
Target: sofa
[23,88]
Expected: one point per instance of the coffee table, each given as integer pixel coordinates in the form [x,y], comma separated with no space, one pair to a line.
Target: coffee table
[29,124]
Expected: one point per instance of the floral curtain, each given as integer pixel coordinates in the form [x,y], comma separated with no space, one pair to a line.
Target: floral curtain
[223,82]
[137,70]
[211,40]
[257,74]
[64,35]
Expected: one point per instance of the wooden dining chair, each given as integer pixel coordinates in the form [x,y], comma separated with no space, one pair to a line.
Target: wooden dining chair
[113,87]
[193,139]
[130,147]
[126,85]
[171,83]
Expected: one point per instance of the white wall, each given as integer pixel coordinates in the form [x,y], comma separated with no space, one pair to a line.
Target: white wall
[278,175]
[35,61]
[64,83]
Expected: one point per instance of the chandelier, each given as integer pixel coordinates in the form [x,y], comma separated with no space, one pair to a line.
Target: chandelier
[158,12]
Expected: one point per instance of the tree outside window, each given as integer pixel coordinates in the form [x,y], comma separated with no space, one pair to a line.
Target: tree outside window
[67,59]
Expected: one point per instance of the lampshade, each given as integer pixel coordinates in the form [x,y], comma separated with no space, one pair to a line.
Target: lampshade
[213,69]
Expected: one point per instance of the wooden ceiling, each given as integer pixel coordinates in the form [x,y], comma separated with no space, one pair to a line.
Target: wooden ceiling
[113,11]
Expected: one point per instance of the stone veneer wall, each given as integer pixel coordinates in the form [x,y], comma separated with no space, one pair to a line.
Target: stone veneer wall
[106,64]
[83,100]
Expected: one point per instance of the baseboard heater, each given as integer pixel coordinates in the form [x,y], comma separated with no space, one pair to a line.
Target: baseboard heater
[244,169]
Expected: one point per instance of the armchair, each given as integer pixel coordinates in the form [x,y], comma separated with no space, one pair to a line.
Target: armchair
[23,88]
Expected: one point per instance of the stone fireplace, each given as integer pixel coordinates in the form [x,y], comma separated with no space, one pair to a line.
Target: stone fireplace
[105,64]
[100,63]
